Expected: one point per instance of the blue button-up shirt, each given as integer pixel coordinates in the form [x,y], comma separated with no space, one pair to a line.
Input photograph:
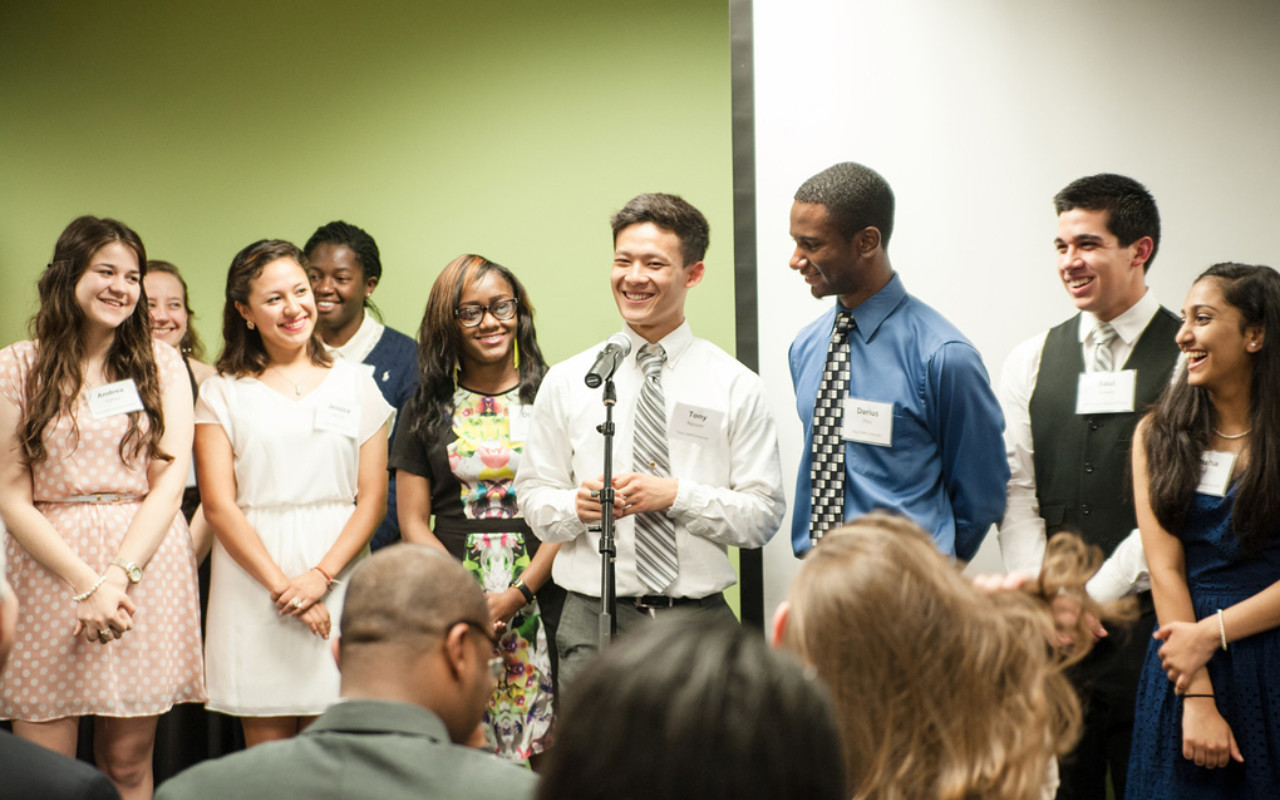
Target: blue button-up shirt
[946,469]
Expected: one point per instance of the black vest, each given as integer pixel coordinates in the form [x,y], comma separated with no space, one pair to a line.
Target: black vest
[1083,475]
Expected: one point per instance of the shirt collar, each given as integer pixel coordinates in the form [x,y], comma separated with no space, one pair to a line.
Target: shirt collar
[1129,325]
[362,342]
[872,312]
[376,716]
[674,343]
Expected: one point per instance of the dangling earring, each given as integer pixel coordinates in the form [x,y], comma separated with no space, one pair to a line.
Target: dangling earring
[249,323]
[515,355]
[455,376]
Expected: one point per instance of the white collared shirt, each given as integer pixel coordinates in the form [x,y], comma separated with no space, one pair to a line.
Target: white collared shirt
[361,342]
[730,488]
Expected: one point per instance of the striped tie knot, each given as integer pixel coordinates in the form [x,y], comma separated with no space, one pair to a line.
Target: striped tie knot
[651,358]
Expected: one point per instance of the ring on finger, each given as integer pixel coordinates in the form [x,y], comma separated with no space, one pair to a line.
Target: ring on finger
[104,634]
[297,602]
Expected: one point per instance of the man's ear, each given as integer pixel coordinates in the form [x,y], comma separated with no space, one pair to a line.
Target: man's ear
[1142,250]
[693,274]
[866,241]
[780,619]
[456,652]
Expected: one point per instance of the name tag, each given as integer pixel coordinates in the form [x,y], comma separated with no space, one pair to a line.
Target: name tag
[120,397]
[868,422]
[341,418]
[1215,472]
[1106,392]
[694,424]
[518,419]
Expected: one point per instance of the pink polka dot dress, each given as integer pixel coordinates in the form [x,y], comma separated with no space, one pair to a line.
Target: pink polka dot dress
[52,674]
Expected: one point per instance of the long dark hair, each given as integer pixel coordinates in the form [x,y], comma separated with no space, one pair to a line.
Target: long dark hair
[55,379]
[440,342]
[190,344]
[242,349]
[1181,425]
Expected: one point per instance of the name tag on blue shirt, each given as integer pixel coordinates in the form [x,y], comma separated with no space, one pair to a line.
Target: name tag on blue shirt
[868,422]
[1215,472]
[1106,392]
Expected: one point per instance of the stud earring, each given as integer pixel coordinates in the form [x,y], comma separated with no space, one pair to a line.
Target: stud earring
[249,323]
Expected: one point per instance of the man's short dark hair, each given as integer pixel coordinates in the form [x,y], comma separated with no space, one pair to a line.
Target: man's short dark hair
[1131,210]
[855,196]
[671,213]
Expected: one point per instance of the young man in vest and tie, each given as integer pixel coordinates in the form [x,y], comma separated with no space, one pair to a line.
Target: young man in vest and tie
[695,457]
[1072,396]
[897,408]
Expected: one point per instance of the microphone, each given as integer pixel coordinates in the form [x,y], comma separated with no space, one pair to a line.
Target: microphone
[615,349]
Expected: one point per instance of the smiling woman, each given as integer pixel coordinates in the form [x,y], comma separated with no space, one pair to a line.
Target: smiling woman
[285,536]
[96,418]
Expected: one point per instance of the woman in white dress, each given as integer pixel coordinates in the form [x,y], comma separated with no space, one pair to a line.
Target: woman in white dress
[291,452]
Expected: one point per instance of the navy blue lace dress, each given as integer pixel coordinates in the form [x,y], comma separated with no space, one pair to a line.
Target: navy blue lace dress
[1246,678]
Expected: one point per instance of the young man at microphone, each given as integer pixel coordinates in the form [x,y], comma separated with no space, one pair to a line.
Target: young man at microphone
[695,455]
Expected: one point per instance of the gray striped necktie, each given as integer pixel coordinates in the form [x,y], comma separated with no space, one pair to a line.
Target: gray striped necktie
[1103,336]
[656,559]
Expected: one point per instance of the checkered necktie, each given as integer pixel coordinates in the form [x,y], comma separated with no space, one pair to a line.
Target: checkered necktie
[826,467]
[1103,336]
[656,559]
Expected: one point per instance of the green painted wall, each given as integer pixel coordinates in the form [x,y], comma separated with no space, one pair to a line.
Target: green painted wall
[511,129]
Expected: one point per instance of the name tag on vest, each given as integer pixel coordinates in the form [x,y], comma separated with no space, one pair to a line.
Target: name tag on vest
[120,397]
[868,422]
[1215,472]
[1106,392]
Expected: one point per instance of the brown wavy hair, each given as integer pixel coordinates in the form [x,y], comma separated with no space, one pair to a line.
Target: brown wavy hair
[440,343]
[55,379]
[941,691]
[242,350]
[190,344]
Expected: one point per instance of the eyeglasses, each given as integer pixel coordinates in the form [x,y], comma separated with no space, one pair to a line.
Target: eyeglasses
[497,664]
[470,315]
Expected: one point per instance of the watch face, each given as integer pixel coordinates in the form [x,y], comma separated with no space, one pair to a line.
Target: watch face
[135,574]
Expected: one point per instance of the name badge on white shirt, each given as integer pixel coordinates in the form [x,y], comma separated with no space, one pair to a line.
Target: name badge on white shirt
[120,397]
[1215,472]
[1106,392]
[868,422]
[341,418]
[518,422]
[694,424]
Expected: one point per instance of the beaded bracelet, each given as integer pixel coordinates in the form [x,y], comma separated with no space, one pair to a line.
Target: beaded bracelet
[85,595]
[1222,630]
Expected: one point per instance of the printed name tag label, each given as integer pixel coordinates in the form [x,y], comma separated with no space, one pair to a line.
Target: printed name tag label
[518,419]
[1106,392]
[120,397]
[342,418]
[694,424]
[868,422]
[1215,472]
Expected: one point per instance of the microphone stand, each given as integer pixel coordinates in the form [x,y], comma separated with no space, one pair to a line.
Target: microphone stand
[608,548]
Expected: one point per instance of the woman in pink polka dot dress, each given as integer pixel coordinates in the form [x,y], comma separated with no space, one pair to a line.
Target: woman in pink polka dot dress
[96,425]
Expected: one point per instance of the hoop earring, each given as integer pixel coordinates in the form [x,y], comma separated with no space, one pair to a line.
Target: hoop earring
[515,355]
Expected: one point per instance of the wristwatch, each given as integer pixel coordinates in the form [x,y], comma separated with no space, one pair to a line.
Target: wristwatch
[132,570]
[525,591]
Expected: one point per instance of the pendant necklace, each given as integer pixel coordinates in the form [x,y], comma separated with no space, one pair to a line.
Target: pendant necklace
[297,387]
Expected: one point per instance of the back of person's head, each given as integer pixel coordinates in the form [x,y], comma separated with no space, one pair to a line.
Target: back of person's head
[941,691]
[1131,210]
[401,604]
[855,196]
[694,708]
[671,213]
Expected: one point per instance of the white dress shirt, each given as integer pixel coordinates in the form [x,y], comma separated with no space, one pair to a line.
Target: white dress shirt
[361,342]
[1022,531]
[730,486]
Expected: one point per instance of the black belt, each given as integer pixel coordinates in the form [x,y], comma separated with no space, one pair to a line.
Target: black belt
[654,601]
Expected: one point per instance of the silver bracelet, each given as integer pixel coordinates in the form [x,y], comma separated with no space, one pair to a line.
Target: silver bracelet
[1222,630]
[80,598]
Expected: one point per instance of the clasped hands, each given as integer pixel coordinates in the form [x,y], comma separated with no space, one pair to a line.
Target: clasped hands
[633,493]
[107,614]
[1207,738]
[300,597]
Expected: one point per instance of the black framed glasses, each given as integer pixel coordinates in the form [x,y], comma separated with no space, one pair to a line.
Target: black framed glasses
[470,315]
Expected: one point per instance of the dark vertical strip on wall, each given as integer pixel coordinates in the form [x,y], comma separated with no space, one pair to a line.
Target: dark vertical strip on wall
[750,562]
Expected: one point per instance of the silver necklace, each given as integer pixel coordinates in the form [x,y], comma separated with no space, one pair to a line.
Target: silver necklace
[1239,435]
[297,387]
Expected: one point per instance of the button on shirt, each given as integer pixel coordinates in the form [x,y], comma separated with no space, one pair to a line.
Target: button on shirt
[730,487]
[946,468]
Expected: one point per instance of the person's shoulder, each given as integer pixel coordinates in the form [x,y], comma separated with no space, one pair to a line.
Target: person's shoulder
[932,331]
[490,777]
[710,355]
[24,350]
[31,771]
[397,343]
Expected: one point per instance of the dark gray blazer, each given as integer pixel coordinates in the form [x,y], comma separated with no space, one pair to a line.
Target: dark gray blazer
[29,771]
